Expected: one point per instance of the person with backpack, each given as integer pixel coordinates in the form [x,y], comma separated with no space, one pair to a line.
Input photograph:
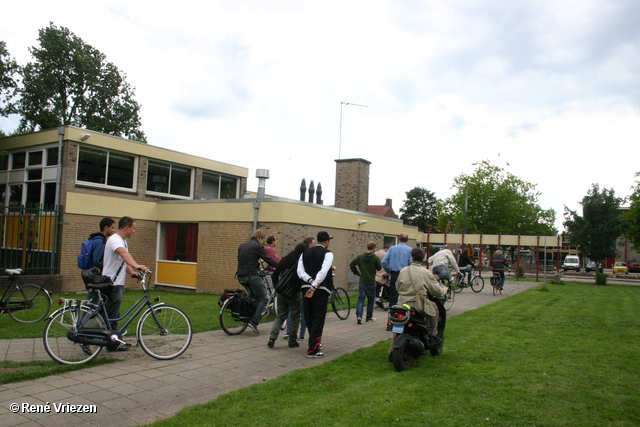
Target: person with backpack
[92,252]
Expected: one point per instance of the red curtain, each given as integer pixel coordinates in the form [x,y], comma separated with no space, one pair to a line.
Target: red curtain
[170,241]
[192,243]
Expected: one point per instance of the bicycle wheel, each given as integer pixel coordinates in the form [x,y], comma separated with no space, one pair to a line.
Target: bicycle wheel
[164,332]
[232,320]
[28,303]
[449,298]
[458,283]
[60,347]
[271,307]
[340,303]
[477,284]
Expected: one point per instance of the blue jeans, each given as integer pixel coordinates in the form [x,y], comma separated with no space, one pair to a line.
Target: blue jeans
[466,271]
[113,305]
[370,292]
[501,276]
[393,291]
[254,286]
[442,271]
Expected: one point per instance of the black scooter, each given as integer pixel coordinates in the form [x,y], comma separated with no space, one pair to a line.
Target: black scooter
[411,338]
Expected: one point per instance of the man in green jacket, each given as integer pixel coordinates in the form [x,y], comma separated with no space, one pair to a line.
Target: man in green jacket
[366,265]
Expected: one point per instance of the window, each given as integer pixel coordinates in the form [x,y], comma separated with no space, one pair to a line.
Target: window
[104,168]
[179,242]
[218,186]
[166,178]
[34,184]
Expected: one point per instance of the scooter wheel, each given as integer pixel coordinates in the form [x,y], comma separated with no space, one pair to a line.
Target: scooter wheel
[402,357]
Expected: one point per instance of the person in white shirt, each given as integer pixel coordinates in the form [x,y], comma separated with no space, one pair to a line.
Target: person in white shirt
[117,263]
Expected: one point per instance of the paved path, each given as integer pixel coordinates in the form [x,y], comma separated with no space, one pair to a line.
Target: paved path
[139,389]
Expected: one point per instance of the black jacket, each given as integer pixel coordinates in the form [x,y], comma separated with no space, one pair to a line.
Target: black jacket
[249,253]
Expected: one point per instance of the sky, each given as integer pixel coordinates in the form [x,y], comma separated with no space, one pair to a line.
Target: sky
[547,90]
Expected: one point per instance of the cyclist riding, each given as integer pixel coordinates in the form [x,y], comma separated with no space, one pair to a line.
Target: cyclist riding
[465,263]
[498,264]
[249,254]
[443,261]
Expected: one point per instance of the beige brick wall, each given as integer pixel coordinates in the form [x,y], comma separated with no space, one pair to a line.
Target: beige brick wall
[352,184]
[77,228]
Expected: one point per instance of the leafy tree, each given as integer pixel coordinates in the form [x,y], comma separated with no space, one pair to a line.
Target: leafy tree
[632,218]
[601,223]
[71,83]
[420,209]
[497,202]
[8,84]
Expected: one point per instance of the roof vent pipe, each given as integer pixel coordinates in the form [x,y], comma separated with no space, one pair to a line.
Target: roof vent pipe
[262,175]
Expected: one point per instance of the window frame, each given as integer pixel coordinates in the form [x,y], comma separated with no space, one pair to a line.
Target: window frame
[168,194]
[105,186]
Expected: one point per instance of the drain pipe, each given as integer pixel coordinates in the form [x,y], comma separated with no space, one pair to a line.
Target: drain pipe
[262,175]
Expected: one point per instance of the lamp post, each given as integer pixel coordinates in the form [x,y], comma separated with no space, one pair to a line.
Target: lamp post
[340,141]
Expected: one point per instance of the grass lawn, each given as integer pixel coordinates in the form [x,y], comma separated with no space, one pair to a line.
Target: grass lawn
[568,356]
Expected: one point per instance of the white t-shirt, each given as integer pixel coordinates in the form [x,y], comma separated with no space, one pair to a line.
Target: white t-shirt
[113,261]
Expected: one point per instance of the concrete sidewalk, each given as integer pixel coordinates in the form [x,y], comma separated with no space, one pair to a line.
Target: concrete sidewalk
[139,389]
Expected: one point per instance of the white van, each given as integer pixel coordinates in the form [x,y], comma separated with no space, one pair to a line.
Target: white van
[571,262]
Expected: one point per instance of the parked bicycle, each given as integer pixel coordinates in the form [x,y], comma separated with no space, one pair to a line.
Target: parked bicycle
[495,283]
[237,306]
[77,332]
[25,303]
[476,283]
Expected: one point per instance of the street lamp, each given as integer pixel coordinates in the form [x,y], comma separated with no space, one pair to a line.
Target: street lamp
[340,142]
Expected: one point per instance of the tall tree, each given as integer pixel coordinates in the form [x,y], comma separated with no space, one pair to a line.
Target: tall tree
[632,218]
[492,201]
[71,83]
[420,209]
[596,230]
[8,83]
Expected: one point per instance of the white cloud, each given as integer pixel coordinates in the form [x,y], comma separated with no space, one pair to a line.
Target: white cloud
[552,86]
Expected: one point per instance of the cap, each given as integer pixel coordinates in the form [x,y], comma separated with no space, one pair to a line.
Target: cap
[323,236]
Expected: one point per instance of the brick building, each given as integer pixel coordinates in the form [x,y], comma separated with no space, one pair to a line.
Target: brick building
[189,211]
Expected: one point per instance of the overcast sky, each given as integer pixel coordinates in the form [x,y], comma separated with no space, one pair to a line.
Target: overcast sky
[548,90]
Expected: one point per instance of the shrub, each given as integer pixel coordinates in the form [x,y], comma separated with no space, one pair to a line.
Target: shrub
[601,279]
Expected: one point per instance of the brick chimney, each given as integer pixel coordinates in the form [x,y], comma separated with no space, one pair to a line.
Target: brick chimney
[352,184]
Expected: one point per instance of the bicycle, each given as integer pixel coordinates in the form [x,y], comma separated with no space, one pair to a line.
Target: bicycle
[495,283]
[77,332]
[340,302]
[476,283]
[450,296]
[25,303]
[237,307]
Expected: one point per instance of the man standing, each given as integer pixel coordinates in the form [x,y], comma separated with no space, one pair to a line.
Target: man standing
[116,255]
[249,254]
[442,261]
[382,279]
[99,240]
[366,265]
[271,250]
[315,270]
[397,258]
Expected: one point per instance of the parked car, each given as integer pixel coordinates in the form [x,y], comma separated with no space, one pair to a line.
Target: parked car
[571,262]
[633,267]
[620,267]
[591,266]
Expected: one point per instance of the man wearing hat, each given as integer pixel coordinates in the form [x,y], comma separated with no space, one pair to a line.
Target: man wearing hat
[315,269]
